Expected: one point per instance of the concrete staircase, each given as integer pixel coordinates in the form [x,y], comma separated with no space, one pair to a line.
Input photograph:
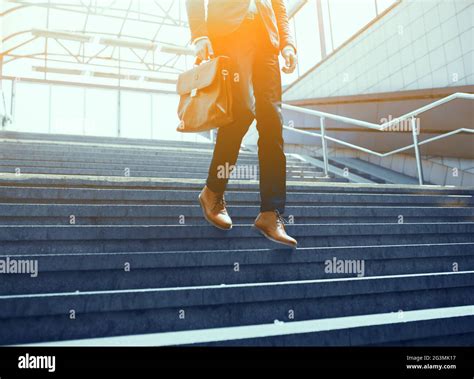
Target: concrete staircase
[355,170]
[90,156]
[128,259]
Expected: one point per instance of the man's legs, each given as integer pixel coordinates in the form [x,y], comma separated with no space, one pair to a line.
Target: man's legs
[226,151]
[267,89]
[256,63]
[240,47]
[271,155]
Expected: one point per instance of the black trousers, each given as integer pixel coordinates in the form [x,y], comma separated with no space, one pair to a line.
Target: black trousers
[257,95]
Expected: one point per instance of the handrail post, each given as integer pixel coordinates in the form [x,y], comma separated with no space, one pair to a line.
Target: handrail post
[323,143]
[419,166]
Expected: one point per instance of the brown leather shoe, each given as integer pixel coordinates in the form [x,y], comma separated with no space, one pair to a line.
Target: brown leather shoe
[271,225]
[213,208]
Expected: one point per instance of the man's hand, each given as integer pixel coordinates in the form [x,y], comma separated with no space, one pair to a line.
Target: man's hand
[203,49]
[289,54]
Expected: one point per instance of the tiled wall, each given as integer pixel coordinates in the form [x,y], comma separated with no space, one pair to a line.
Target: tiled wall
[419,44]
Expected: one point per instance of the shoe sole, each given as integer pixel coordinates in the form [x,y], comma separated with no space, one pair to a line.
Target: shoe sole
[208,220]
[272,239]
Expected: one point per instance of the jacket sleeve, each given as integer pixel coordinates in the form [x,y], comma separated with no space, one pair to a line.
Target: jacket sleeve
[282,22]
[196,18]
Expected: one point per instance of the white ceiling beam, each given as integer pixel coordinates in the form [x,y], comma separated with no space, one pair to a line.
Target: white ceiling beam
[79,37]
[120,42]
[178,50]
[101,74]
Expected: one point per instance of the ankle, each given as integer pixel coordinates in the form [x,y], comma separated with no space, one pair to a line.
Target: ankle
[213,191]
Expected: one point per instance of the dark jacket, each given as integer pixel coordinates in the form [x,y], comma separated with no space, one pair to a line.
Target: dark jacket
[225,16]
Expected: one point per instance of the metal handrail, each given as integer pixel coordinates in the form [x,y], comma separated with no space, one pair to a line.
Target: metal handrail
[410,115]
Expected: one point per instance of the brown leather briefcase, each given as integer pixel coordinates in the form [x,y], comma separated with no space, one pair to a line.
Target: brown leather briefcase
[205,96]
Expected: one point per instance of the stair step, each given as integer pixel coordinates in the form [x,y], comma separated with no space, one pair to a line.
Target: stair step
[142,165]
[108,182]
[108,157]
[131,214]
[380,329]
[79,238]
[420,326]
[13,136]
[191,232]
[133,172]
[160,196]
[132,272]
[107,313]
[62,273]
[383,174]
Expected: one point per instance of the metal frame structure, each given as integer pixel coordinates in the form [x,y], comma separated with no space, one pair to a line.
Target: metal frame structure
[141,57]
[130,57]
[409,116]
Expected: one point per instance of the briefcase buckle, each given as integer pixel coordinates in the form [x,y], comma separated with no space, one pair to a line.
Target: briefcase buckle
[194,92]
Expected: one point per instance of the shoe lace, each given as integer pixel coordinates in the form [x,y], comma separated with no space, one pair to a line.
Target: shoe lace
[219,203]
[280,220]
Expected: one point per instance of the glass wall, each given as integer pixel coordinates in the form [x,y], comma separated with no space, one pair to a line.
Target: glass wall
[307,36]
[101,112]
[347,17]
[340,20]
[79,103]
[63,109]
[31,108]
[135,114]
[66,110]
